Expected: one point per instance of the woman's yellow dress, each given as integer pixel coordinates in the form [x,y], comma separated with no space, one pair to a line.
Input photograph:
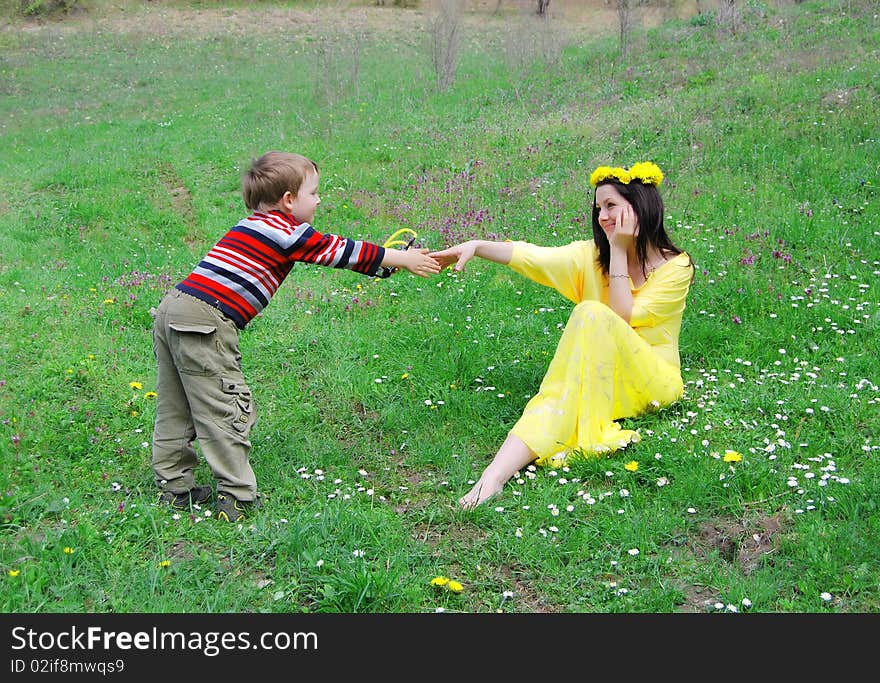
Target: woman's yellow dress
[604,368]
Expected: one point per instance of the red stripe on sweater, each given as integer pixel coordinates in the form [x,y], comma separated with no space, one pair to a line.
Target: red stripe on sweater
[222,294]
[263,276]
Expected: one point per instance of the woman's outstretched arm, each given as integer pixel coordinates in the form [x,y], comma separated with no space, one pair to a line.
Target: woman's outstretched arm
[460,254]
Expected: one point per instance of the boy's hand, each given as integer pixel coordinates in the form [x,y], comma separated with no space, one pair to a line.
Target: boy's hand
[419,263]
[416,261]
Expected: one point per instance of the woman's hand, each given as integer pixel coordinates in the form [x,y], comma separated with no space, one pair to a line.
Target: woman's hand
[459,254]
[626,227]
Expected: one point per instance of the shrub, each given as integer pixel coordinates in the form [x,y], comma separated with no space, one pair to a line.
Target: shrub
[42,8]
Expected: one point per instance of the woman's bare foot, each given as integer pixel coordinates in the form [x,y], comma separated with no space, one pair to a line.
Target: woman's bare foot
[482,491]
[512,455]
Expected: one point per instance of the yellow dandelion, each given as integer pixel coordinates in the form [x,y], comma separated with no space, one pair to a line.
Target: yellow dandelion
[606,172]
[136,385]
[404,375]
[150,394]
[14,572]
[164,563]
[68,550]
[732,456]
[647,172]
[134,413]
[109,301]
[69,371]
[439,581]
[631,466]
[91,356]
[455,586]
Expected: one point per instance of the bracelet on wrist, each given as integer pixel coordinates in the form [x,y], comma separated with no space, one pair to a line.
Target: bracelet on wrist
[611,275]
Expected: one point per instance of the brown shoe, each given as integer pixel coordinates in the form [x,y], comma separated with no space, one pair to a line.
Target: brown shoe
[231,509]
[183,501]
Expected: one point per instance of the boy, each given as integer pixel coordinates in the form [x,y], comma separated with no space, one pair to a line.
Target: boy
[202,393]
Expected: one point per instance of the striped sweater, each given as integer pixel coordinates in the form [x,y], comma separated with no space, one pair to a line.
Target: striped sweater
[246,267]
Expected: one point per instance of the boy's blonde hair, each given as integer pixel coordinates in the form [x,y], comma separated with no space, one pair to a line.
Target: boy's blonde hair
[273,174]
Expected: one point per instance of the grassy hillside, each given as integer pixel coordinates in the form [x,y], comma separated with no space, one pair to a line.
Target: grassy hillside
[124,134]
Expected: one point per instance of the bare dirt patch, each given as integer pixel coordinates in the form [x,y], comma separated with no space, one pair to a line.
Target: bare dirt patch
[178,195]
[180,551]
[525,596]
[697,599]
[433,535]
[839,98]
[739,542]
[428,534]
[744,543]
[181,200]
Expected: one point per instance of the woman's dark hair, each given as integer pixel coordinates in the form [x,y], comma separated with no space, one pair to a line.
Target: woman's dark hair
[648,206]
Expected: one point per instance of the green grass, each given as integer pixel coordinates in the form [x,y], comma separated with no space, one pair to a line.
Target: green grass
[123,140]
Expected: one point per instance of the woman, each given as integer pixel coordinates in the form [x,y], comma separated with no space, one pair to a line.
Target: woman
[618,355]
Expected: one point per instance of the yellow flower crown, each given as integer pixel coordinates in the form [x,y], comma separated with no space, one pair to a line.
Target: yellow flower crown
[646,172]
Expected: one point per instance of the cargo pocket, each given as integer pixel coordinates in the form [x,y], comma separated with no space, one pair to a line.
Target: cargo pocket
[243,412]
[193,347]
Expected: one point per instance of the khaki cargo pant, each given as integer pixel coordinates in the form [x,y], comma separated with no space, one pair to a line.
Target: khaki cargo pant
[201,394]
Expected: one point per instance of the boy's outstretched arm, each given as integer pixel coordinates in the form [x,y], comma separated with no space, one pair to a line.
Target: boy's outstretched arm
[460,254]
[416,261]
